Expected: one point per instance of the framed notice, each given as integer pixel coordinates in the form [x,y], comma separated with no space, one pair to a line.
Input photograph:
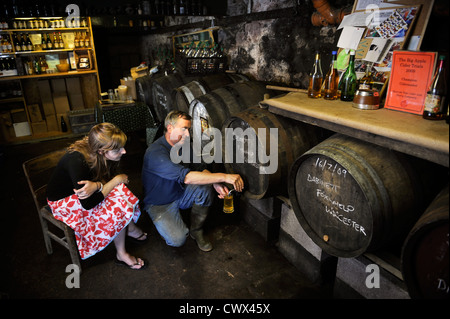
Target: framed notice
[411,75]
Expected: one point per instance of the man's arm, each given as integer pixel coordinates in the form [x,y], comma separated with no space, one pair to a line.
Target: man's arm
[206,177]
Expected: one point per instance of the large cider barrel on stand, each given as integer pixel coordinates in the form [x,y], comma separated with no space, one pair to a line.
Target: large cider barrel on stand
[211,110]
[185,94]
[162,93]
[351,196]
[262,177]
[425,260]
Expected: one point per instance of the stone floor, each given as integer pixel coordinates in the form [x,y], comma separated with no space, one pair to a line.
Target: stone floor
[242,264]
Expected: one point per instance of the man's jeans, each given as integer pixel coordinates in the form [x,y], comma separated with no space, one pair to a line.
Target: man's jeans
[167,218]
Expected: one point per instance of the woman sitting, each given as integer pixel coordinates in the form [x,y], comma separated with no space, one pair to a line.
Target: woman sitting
[85,193]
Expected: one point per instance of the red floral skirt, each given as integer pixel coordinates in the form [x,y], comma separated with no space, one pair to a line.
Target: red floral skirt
[97,227]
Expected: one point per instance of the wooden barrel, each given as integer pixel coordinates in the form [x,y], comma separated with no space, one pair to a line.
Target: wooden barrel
[162,88]
[211,110]
[260,178]
[351,196]
[425,260]
[144,90]
[185,94]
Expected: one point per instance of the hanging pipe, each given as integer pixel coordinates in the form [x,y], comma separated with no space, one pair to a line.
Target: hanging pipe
[327,15]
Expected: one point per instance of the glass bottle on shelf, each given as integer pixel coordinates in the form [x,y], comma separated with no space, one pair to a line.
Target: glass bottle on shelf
[60,41]
[76,40]
[348,82]
[23,43]
[366,82]
[17,45]
[81,42]
[87,41]
[29,44]
[43,64]
[49,43]
[43,42]
[37,66]
[63,125]
[315,79]
[435,100]
[55,42]
[331,80]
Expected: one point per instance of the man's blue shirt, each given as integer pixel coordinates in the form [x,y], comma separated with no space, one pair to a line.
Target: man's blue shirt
[163,180]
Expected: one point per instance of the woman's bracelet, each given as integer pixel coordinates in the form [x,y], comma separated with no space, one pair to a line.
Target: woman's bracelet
[99,189]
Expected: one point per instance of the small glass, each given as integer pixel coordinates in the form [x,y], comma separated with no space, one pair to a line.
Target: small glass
[111,95]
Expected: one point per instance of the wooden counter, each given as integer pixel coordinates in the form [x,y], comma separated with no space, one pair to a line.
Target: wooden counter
[403,132]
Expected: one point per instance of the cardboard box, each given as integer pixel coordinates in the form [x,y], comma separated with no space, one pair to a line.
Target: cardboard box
[46,97]
[73,85]
[34,112]
[19,116]
[52,124]
[39,127]
[58,86]
[22,129]
[61,103]
[6,126]
[76,101]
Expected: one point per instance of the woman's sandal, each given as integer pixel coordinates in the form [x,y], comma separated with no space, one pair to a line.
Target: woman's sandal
[137,240]
[122,263]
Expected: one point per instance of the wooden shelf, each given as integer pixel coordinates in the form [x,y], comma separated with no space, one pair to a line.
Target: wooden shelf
[49,75]
[403,132]
[85,94]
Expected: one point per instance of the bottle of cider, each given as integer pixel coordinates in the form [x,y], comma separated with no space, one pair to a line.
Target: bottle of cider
[366,82]
[331,80]
[434,108]
[348,84]
[315,79]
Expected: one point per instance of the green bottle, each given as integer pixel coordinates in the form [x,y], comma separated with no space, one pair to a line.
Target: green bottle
[349,83]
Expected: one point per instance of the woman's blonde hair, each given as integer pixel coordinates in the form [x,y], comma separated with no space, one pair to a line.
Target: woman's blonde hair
[101,138]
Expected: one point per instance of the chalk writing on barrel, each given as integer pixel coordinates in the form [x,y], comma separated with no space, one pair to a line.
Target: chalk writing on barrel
[345,208]
[345,220]
[325,165]
[318,181]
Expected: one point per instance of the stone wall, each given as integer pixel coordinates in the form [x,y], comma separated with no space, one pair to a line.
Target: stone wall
[278,49]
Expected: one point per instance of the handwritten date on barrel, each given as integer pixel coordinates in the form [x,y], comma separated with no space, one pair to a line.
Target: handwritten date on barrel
[334,169]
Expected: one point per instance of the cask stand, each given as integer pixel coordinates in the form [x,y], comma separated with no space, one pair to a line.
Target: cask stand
[373,272]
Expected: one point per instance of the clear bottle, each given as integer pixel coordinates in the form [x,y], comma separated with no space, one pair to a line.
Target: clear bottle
[60,41]
[55,42]
[349,83]
[331,80]
[366,82]
[43,64]
[434,108]
[87,41]
[315,79]
[76,41]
